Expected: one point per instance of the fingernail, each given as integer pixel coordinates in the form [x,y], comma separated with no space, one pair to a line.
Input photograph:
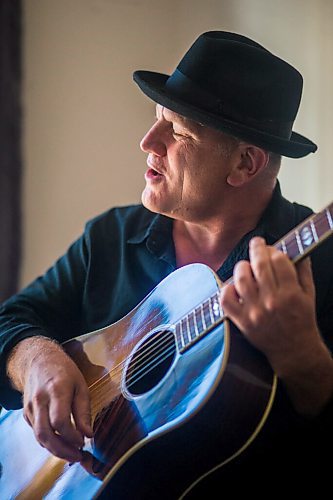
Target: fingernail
[90,432]
[256,239]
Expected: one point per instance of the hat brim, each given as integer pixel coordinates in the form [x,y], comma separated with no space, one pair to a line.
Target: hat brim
[153,85]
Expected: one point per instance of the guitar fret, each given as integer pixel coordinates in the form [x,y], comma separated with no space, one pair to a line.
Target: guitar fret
[299,243]
[329,218]
[198,320]
[180,340]
[291,246]
[314,230]
[284,248]
[190,330]
[195,326]
[183,333]
[217,311]
[208,319]
[321,222]
[203,317]
[211,311]
[187,326]
[187,338]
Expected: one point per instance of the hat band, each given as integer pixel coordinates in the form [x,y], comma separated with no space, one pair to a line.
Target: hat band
[181,86]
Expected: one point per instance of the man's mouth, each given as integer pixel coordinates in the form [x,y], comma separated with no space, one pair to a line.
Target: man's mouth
[154,170]
[152,174]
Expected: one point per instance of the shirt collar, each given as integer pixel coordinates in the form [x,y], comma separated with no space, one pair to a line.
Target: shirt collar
[157,234]
[156,223]
[278,218]
[276,221]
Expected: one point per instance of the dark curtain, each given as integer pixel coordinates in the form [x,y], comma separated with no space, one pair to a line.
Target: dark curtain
[10,145]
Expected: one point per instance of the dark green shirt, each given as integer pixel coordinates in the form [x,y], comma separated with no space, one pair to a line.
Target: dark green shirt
[121,256]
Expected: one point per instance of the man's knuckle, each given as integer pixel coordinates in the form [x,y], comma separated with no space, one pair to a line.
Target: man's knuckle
[41,435]
[39,398]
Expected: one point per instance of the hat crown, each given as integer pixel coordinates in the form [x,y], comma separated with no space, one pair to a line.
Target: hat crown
[243,76]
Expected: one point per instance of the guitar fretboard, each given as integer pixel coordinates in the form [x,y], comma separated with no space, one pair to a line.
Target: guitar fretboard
[307,235]
[198,322]
[298,243]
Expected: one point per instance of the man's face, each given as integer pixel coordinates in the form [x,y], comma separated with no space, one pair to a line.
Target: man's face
[187,168]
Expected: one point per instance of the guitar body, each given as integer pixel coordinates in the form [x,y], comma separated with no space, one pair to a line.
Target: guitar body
[164,414]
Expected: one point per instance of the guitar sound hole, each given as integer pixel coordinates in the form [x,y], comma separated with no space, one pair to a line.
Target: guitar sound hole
[150,362]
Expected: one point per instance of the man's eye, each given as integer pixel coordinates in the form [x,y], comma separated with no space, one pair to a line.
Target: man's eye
[177,134]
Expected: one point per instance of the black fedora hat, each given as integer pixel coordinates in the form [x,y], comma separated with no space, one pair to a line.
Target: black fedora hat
[231,83]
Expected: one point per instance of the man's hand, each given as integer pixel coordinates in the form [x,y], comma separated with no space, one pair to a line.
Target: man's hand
[55,396]
[272,302]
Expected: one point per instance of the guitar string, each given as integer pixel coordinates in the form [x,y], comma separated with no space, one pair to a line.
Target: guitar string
[101,402]
[118,368]
[96,382]
[157,347]
[319,218]
[166,350]
[146,351]
[99,399]
[170,347]
[139,374]
[96,407]
[154,354]
[156,351]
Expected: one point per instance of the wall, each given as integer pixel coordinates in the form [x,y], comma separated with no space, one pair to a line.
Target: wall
[84,117]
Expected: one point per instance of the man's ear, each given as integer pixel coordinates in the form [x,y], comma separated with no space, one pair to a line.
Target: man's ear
[251,160]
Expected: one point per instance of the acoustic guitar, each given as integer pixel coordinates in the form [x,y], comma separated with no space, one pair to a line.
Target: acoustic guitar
[176,391]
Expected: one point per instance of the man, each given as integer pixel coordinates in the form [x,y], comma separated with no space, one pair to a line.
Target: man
[223,120]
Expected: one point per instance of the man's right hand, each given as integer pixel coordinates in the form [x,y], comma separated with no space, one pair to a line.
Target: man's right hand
[55,396]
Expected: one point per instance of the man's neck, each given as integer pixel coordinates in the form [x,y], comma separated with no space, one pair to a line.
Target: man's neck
[195,243]
[212,241]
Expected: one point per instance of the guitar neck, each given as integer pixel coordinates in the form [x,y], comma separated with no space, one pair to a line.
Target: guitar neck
[298,243]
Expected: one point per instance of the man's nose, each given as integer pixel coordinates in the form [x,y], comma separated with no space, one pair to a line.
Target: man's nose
[152,142]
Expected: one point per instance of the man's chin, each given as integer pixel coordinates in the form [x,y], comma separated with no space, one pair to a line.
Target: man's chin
[150,203]
[158,205]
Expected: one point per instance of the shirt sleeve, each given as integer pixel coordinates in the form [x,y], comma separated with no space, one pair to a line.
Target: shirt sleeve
[49,306]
